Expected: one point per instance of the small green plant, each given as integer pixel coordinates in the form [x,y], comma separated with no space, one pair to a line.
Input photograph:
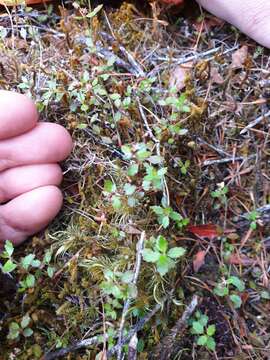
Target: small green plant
[205,332]
[253,217]
[224,289]
[165,214]
[9,264]
[221,193]
[161,256]
[184,166]
[22,328]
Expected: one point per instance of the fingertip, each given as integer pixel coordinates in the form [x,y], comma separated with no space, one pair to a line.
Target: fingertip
[18,114]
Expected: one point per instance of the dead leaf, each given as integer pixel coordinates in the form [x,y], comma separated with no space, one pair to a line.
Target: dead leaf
[209,231]
[198,260]
[239,57]
[215,76]
[237,259]
[178,76]
[208,23]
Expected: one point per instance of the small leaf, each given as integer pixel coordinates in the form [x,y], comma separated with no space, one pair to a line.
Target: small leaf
[161,244]
[150,255]
[8,267]
[25,321]
[197,327]
[9,248]
[133,169]
[237,302]
[109,186]
[127,277]
[50,271]
[27,260]
[239,284]
[157,210]
[27,332]
[176,252]
[164,264]
[94,12]
[211,344]
[198,260]
[165,222]
[211,330]
[202,340]
[129,189]
[116,202]
[30,281]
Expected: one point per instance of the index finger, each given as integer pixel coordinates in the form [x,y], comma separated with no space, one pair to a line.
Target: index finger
[18,114]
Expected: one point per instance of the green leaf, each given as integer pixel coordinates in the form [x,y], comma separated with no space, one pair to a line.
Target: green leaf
[150,255]
[47,257]
[156,159]
[164,264]
[176,252]
[14,331]
[161,244]
[30,281]
[8,267]
[202,340]
[94,12]
[203,319]
[116,202]
[27,332]
[25,321]
[211,344]
[197,327]
[27,260]
[127,277]
[237,302]
[129,189]
[157,210]
[239,284]
[133,169]
[221,290]
[9,248]
[50,271]
[211,329]
[109,186]
[165,221]
[175,216]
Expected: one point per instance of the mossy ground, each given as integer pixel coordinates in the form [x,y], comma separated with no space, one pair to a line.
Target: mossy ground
[107,79]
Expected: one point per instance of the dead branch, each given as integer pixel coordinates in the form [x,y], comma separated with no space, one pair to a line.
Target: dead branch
[139,249]
[165,349]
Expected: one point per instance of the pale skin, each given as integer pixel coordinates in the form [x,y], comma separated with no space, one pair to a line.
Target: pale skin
[30,151]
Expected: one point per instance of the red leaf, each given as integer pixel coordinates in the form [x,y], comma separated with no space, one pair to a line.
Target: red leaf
[236,259]
[209,231]
[198,260]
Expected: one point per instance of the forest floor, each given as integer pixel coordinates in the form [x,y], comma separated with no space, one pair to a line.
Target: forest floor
[162,249]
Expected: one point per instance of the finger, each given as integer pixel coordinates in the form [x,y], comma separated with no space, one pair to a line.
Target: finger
[18,180]
[46,143]
[29,213]
[18,114]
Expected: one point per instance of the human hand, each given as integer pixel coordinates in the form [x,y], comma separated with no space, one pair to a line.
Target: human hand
[29,173]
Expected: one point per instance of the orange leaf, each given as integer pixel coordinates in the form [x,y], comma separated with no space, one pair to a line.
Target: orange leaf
[178,76]
[239,57]
[209,231]
[198,260]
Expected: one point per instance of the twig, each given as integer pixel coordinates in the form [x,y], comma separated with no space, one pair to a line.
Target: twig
[140,324]
[76,346]
[165,348]
[136,66]
[215,148]
[139,249]
[132,348]
[99,338]
[227,160]
[255,122]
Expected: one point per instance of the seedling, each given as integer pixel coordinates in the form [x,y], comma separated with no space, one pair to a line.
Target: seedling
[161,256]
[205,332]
